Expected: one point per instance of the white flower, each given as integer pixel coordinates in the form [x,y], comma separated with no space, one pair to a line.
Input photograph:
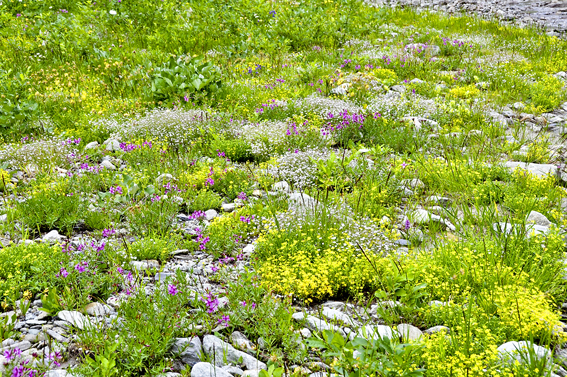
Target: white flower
[112,12]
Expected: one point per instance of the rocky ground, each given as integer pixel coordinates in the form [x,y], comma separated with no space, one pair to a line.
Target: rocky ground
[549,15]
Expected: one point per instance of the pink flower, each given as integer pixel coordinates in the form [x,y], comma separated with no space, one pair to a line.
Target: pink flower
[172,289]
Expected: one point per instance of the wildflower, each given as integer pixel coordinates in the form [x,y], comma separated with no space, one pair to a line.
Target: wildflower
[253,305]
[108,232]
[116,190]
[224,320]
[210,182]
[155,198]
[62,273]
[243,303]
[273,13]
[242,196]
[172,289]
[80,267]
[407,225]
[214,269]
[212,303]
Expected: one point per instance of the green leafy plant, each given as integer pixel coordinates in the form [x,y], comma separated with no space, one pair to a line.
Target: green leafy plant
[185,77]
[362,357]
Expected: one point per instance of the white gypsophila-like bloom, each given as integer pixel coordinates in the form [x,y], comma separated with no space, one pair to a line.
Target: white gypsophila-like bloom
[176,127]
[357,230]
[324,106]
[39,154]
[393,105]
[264,137]
[299,168]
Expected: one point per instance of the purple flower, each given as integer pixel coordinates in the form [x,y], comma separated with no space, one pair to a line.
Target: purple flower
[210,182]
[253,305]
[81,267]
[407,225]
[108,232]
[172,289]
[243,303]
[214,269]
[18,15]
[62,273]
[155,198]
[116,190]
[212,303]
[224,320]
[242,196]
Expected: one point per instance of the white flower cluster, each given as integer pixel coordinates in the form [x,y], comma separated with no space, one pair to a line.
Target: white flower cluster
[264,137]
[177,127]
[358,230]
[394,105]
[323,106]
[299,168]
[41,154]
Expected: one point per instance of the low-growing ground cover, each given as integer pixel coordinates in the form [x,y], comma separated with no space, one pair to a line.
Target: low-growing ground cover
[265,188]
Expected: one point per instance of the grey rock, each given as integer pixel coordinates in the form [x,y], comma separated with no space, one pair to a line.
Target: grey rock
[58,337]
[414,184]
[210,214]
[512,351]
[375,332]
[251,373]
[75,318]
[208,370]
[22,346]
[108,165]
[218,351]
[398,88]
[281,186]
[540,170]
[97,309]
[334,314]
[538,219]
[317,324]
[112,145]
[436,329]
[228,207]
[7,342]
[57,373]
[145,265]
[301,200]
[305,333]
[189,349]
[408,332]
[91,145]
[241,341]
[52,237]
[164,177]
[162,276]
[233,370]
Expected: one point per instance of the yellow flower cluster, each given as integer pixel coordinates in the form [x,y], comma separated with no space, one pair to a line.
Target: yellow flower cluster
[300,269]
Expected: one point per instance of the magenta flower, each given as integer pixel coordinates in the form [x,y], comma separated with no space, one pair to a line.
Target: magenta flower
[81,267]
[172,289]
[62,273]
[224,320]
[108,232]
